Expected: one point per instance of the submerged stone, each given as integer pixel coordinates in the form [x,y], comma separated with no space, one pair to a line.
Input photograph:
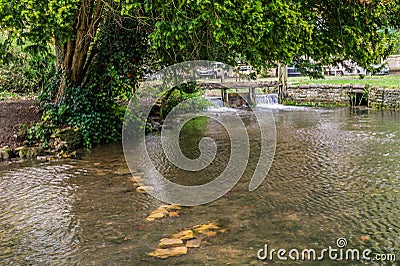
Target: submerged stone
[173,214]
[161,210]
[292,217]
[155,215]
[171,207]
[137,178]
[144,189]
[184,235]
[123,171]
[210,233]
[168,252]
[170,243]
[202,228]
[193,243]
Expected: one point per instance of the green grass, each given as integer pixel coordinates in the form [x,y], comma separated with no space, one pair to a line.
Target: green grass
[8,95]
[315,104]
[387,81]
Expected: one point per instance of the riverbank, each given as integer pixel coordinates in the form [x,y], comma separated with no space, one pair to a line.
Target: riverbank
[15,113]
[19,113]
[343,95]
[383,81]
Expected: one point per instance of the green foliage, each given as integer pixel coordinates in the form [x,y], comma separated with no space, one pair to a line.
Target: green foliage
[188,95]
[98,108]
[38,21]
[6,94]
[24,71]
[276,31]
[120,53]
[115,52]
[196,126]
[386,81]
[350,30]
[41,132]
[98,116]
[260,31]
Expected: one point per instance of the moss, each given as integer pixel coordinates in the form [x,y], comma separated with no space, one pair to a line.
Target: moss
[315,104]
[28,152]
[6,154]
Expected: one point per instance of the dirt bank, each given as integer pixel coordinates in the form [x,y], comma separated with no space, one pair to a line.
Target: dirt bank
[12,113]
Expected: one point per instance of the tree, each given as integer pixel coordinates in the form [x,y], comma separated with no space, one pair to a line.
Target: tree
[263,32]
[99,51]
[351,30]
[39,23]
[71,26]
[276,31]
[97,63]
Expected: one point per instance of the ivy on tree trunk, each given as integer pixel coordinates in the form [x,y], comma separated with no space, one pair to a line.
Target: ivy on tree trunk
[76,55]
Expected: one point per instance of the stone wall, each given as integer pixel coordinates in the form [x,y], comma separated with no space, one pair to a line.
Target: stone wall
[340,95]
[393,63]
[321,94]
[384,98]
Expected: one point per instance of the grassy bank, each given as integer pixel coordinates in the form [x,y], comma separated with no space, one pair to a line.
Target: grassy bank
[5,95]
[387,81]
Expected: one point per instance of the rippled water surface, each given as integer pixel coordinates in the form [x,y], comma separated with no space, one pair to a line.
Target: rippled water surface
[336,174]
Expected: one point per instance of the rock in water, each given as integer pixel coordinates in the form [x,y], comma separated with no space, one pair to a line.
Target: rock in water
[170,243]
[202,228]
[143,189]
[171,207]
[173,214]
[184,235]
[154,216]
[161,209]
[168,252]
[193,243]
[67,139]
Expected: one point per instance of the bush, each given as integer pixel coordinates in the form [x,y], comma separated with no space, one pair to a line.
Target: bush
[98,117]
[97,108]
[182,93]
[23,69]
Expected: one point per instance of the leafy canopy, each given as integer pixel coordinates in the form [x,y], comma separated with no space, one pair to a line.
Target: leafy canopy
[275,31]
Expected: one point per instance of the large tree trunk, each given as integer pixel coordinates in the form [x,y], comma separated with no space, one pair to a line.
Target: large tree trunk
[282,80]
[75,51]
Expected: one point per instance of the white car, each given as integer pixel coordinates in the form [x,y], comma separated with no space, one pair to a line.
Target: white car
[215,70]
[245,70]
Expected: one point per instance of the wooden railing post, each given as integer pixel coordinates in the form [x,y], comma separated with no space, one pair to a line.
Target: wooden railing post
[282,80]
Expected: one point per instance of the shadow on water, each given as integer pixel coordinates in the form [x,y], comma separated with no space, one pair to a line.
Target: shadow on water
[335,174]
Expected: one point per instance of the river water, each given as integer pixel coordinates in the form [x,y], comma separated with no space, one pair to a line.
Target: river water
[336,174]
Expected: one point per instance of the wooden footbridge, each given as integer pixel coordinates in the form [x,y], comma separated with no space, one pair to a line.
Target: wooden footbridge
[250,86]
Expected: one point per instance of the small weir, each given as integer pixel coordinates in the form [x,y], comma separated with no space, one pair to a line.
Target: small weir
[216,101]
[269,99]
[264,99]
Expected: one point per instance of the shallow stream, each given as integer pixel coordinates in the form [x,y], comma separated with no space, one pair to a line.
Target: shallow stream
[336,174]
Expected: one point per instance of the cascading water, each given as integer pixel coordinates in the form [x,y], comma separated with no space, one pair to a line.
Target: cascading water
[216,102]
[268,99]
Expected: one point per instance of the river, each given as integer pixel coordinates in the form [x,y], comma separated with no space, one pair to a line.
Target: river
[336,174]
